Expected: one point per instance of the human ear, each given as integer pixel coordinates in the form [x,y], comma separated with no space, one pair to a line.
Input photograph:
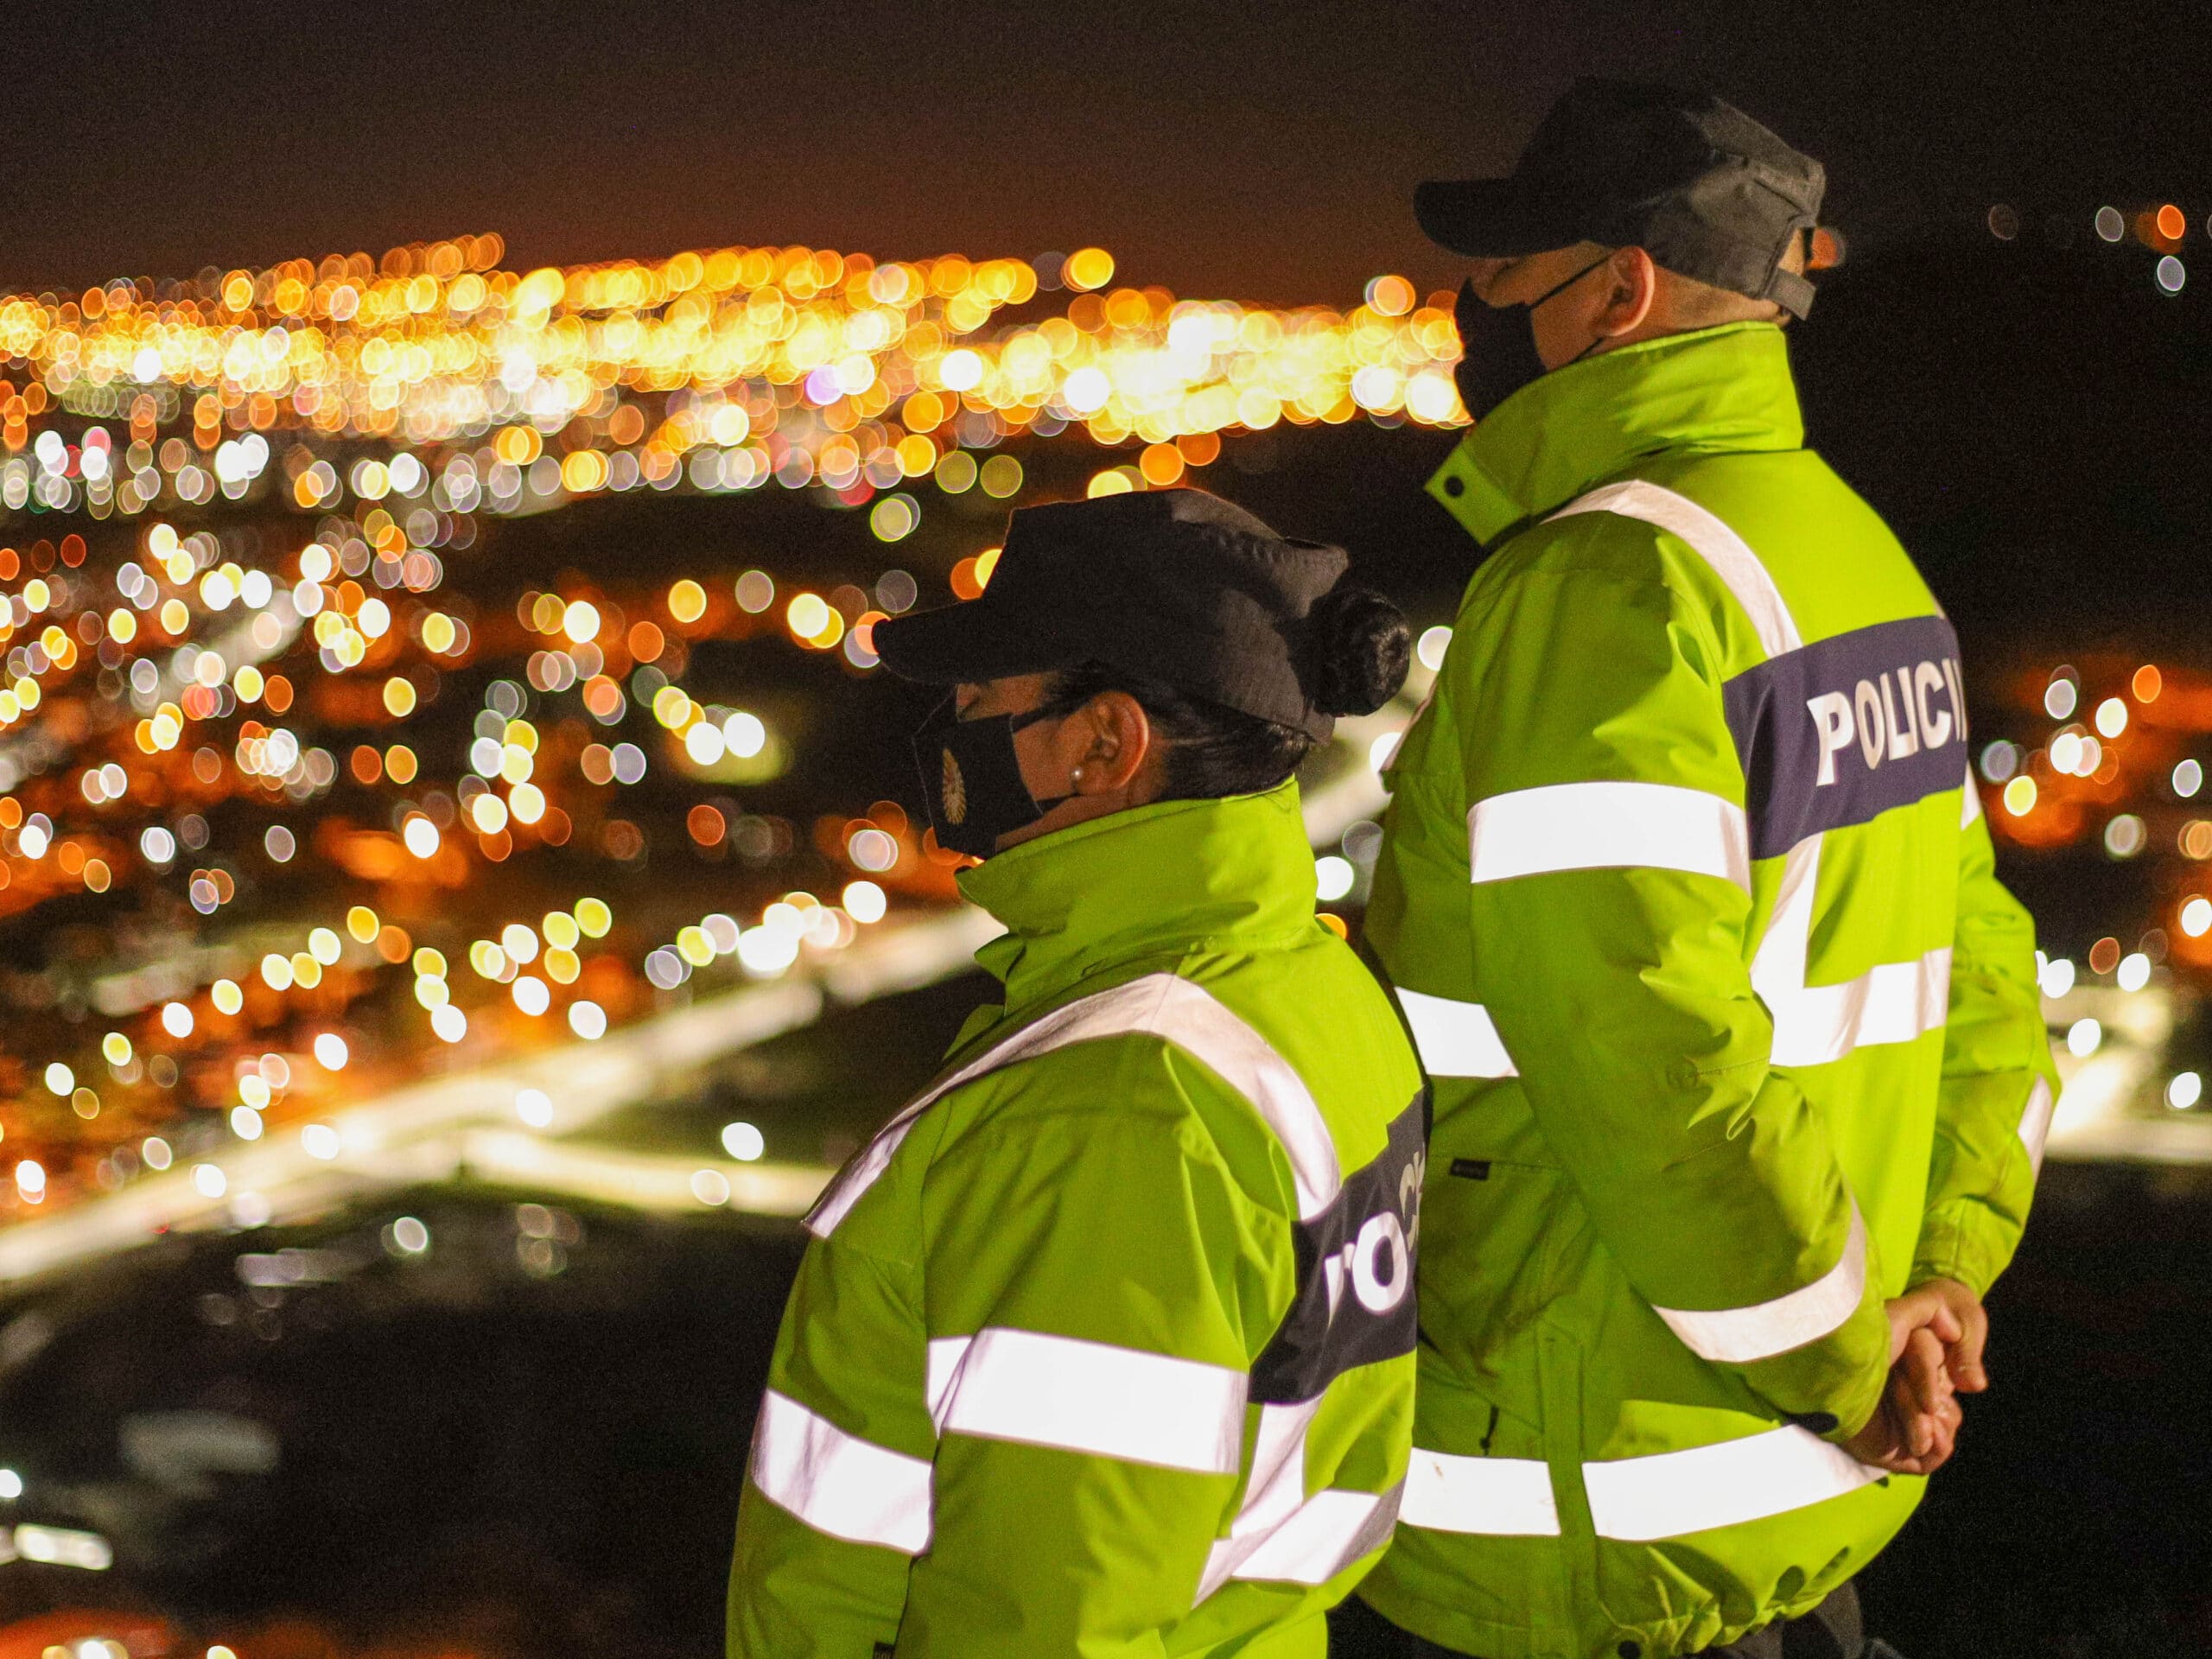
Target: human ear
[1115,736]
[1633,287]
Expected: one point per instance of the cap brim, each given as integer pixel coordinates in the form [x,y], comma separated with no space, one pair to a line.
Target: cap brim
[967,643]
[1494,218]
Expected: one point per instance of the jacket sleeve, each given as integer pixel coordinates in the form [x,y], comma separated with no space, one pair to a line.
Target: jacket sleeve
[1611,900]
[1088,1365]
[836,1499]
[1999,1084]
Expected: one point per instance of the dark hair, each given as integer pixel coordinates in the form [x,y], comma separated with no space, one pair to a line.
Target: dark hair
[1352,659]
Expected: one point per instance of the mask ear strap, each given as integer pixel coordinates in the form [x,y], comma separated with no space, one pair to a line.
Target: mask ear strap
[1558,287]
[1016,722]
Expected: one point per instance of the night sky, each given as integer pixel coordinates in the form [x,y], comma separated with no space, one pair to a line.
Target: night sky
[1263,151]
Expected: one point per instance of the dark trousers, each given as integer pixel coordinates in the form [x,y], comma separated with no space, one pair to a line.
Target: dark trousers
[1831,1630]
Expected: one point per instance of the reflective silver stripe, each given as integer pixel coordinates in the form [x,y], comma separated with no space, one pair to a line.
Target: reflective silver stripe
[1187,1016]
[1455,1039]
[946,1355]
[1326,1534]
[837,1482]
[2034,1123]
[1282,1536]
[1173,1009]
[1605,826]
[1095,1398]
[1671,1494]
[1497,1497]
[1736,1336]
[1729,555]
[1890,1002]
[845,1191]
[1778,966]
[1970,803]
[1273,1491]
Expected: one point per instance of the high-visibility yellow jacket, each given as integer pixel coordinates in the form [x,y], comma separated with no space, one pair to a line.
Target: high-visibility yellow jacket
[1104,1347]
[1688,900]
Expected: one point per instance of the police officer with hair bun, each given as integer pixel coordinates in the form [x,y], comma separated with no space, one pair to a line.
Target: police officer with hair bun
[1104,1344]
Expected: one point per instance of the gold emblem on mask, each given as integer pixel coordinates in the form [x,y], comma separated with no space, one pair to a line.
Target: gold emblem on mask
[953,792]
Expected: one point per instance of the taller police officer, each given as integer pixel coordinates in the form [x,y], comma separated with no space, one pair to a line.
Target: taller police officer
[1104,1345]
[1688,900]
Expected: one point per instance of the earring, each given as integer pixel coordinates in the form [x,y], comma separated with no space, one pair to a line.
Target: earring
[1076,777]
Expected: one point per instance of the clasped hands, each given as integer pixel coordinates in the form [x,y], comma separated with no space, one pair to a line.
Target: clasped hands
[1937,1331]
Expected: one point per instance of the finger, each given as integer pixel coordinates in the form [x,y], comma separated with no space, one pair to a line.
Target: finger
[1912,1407]
[1946,1424]
[1924,1372]
[1943,1320]
[1968,1369]
[1942,1438]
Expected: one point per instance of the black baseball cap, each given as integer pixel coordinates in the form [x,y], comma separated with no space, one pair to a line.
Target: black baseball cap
[1177,586]
[1706,191]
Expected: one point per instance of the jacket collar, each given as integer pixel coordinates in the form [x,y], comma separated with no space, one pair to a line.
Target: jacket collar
[1715,390]
[1157,881]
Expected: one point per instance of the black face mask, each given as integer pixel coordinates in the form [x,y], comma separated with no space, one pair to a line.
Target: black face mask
[1497,345]
[971,778]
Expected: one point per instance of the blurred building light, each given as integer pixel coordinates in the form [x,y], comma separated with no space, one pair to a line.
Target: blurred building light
[864,901]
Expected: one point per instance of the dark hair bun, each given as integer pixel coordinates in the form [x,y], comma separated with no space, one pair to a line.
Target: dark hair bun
[1357,646]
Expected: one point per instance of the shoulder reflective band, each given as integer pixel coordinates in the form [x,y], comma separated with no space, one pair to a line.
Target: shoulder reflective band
[1280,1534]
[1176,1011]
[1970,803]
[1093,1398]
[2035,1123]
[1455,1039]
[1496,1497]
[1727,553]
[1608,826]
[1737,1336]
[1670,1494]
[838,1483]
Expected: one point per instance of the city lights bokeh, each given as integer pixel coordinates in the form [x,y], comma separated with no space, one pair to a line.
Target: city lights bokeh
[234,506]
